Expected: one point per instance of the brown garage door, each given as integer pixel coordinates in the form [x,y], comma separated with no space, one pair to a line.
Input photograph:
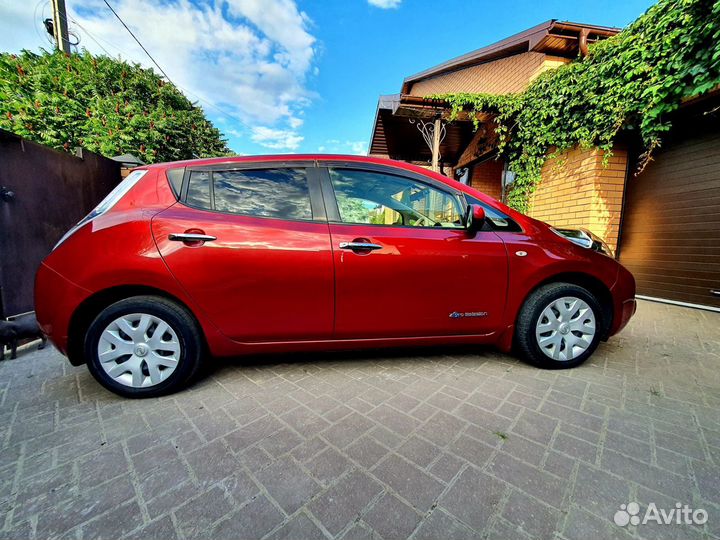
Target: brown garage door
[671,226]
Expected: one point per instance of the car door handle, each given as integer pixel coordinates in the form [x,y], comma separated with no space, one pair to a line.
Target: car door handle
[191,237]
[359,246]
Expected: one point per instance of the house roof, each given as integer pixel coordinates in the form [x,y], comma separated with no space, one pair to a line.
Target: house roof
[557,38]
[395,130]
[128,159]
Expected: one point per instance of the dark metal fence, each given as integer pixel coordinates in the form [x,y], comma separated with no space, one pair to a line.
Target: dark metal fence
[43,193]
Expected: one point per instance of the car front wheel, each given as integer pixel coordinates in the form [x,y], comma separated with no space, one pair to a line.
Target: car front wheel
[559,326]
[143,346]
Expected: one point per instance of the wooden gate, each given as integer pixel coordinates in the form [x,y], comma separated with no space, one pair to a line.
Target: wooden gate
[43,193]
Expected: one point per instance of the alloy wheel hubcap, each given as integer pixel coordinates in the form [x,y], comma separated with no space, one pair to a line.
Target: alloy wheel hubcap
[566,328]
[139,350]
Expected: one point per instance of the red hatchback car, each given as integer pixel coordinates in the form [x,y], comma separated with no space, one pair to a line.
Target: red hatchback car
[232,256]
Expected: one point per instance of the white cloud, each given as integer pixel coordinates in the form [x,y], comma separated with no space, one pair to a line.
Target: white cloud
[385,4]
[335,146]
[278,139]
[250,58]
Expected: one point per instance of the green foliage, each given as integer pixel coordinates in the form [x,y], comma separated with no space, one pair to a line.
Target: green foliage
[632,81]
[102,104]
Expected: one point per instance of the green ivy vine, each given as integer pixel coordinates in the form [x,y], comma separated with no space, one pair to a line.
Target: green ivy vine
[631,81]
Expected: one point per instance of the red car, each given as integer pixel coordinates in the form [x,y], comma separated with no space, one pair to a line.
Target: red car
[232,256]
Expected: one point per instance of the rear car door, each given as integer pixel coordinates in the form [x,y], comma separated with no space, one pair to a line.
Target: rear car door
[250,244]
[404,264]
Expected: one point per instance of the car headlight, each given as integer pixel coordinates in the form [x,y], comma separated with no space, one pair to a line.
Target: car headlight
[586,239]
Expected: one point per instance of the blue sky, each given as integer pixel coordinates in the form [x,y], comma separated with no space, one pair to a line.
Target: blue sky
[281,76]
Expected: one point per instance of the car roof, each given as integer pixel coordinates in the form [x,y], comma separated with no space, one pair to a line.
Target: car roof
[269,158]
[302,157]
[332,158]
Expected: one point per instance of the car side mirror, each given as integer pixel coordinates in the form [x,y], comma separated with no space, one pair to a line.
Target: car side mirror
[475,218]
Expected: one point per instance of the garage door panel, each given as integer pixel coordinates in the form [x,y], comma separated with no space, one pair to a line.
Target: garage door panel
[693,279]
[685,267]
[670,236]
[690,228]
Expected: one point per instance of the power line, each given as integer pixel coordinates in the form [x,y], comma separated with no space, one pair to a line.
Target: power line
[138,41]
[96,38]
[163,72]
[89,35]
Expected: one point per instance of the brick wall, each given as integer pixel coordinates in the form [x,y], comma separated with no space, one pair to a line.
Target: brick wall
[486,177]
[577,190]
[502,76]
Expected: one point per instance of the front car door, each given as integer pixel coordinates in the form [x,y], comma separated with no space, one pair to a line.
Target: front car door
[265,271]
[404,264]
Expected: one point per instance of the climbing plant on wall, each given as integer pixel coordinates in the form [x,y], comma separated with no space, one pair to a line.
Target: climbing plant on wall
[103,104]
[631,81]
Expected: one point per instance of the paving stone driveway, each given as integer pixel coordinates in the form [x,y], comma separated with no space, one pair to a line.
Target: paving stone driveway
[442,444]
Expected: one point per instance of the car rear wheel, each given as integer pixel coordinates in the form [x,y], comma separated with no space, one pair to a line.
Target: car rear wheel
[143,346]
[559,326]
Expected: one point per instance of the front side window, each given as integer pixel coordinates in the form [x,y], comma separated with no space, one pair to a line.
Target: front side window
[497,220]
[273,193]
[385,199]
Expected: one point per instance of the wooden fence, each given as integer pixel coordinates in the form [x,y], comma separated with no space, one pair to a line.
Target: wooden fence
[43,193]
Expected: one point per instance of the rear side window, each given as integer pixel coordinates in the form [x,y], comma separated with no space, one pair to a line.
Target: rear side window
[271,193]
[175,177]
[199,190]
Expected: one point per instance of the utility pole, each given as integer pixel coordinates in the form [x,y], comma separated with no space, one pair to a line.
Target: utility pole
[60,26]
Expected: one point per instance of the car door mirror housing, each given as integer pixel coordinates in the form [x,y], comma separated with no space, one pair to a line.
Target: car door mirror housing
[475,218]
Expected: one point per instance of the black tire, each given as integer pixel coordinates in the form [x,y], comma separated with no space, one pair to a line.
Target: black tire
[526,342]
[184,325]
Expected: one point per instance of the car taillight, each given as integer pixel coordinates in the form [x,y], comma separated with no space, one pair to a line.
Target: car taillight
[107,203]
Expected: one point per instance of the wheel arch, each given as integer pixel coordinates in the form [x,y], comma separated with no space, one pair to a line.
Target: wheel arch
[89,308]
[594,285]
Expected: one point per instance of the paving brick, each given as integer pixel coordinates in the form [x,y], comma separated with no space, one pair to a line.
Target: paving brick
[115,523]
[160,529]
[397,422]
[366,451]
[441,428]
[392,518]
[538,520]
[535,426]
[254,520]
[473,498]
[441,525]
[411,483]
[575,447]
[288,484]
[446,467]
[300,527]
[239,451]
[345,501]
[647,475]
[351,427]
[528,478]
[196,516]
[305,421]
[212,462]
[572,417]
[523,449]
[419,451]
[328,465]
[599,492]
[472,450]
